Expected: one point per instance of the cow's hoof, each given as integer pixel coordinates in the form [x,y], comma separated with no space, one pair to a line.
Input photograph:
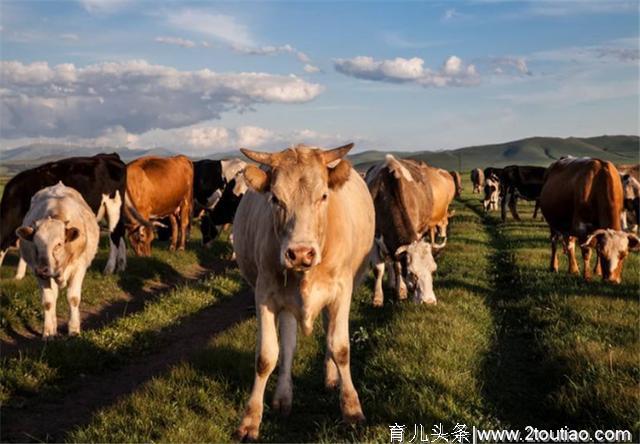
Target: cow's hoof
[428,302]
[248,431]
[172,248]
[332,384]
[354,417]
[282,405]
[49,336]
[378,302]
[402,293]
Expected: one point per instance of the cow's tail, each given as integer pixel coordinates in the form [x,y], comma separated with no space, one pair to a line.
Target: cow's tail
[132,213]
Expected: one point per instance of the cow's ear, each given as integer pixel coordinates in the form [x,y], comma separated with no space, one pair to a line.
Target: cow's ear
[71,234]
[25,233]
[592,240]
[339,174]
[634,242]
[257,178]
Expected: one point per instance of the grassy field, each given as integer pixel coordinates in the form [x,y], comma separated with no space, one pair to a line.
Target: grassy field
[167,352]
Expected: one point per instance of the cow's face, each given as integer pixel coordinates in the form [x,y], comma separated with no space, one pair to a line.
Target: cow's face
[299,183]
[612,247]
[420,266]
[52,242]
[140,238]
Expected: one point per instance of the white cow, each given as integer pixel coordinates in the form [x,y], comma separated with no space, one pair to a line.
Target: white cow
[58,240]
[302,235]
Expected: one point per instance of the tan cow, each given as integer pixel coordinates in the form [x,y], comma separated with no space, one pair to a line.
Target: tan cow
[582,199]
[411,200]
[302,234]
[477,180]
[158,187]
[58,240]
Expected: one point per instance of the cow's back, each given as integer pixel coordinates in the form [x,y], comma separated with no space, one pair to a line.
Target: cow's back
[581,195]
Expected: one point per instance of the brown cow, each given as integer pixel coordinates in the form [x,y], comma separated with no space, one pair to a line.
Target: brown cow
[302,234]
[158,187]
[477,180]
[411,199]
[582,199]
[457,180]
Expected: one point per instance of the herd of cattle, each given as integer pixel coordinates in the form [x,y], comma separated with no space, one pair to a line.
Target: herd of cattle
[306,227]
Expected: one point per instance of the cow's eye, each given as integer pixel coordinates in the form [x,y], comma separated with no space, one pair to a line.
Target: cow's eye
[325,196]
[275,200]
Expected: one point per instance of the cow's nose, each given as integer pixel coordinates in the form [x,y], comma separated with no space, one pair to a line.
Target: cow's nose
[43,271]
[301,256]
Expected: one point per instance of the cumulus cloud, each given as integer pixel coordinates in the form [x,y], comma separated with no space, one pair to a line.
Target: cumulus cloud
[43,100]
[176,41]
[454,72]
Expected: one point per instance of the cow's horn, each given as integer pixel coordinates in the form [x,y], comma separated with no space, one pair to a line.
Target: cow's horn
[258,156]
[330,156]
[401,250]
[437,247]
[157,223]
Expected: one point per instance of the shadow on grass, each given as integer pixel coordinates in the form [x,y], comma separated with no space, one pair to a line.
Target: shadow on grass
[106,375]
[518,375]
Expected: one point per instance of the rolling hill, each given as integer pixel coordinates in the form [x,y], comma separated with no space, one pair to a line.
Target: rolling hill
[530,151]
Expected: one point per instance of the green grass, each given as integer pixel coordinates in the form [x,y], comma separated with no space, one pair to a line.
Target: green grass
[508,344]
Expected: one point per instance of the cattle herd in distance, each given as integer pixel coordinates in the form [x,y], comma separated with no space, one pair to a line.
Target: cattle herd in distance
[305,228]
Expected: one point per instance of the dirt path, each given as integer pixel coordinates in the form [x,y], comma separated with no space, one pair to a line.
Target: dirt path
[49,420]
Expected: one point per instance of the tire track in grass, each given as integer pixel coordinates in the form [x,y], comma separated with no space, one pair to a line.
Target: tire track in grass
[518,376]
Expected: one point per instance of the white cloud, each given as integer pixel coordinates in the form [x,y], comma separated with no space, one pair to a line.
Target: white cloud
[400,70]
[253,136]
[218,26]
[43,100]
[70,37]
[176,41]
[510,65]
[311,69]
[451,14]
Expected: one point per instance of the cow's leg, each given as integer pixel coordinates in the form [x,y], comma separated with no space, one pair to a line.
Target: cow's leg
[338,345]
[401,288]
[266,360]
[503,205]
[331,375]
[597,268]
[554,253]
[112,207]
[570,246]
[3,253]
[49,293]
[284,390]
[623,220]
[74,294]
[378,271]
[586,257]
[174,232]
[121,262]
[536,208]
[378,293]
[513,205]
[21,270]
[185,222]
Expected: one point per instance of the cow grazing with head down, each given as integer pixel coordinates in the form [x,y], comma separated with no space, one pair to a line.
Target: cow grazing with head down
[520,181]
[491,192]
[581,199]
[457,180]
[410,199]
[101,180]
[58,240]
[158,187]
[477,179]
[302,234]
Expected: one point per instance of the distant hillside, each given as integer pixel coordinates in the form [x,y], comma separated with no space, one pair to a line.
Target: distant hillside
[530,151]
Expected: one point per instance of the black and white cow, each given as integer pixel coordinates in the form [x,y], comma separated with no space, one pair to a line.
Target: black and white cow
[101,180]
[217,189]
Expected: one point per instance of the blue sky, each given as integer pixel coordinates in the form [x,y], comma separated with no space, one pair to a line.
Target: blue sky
[202,77]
